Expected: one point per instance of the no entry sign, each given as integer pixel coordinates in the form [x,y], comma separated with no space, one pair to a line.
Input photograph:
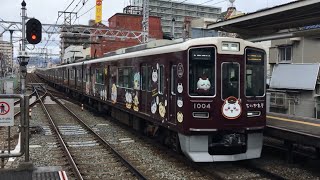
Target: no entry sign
[6,112]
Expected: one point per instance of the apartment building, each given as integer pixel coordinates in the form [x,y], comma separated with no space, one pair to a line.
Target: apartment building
[170,10]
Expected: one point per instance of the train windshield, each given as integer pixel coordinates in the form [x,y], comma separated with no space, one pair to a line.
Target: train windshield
[255,79]
[230,80]
[202,71]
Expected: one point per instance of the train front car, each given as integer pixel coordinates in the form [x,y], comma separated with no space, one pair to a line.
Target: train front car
[225,113]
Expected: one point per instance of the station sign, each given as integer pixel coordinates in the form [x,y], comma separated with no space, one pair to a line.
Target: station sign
[6,112]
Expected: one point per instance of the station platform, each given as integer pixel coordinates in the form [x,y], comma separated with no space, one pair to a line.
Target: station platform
[300,124]
[294,129]
[28,172]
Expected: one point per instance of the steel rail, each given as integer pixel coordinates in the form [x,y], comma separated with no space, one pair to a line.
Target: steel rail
[76,171]
[135,171]
[31,105]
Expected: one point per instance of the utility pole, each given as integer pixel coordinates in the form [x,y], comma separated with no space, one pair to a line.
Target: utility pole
[23,74]
[23,59]
[145,21]
[11,32]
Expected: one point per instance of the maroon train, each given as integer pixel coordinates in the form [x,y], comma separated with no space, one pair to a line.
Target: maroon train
[205,97]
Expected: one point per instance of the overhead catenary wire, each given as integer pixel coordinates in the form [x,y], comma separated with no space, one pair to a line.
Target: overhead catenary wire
[59,15]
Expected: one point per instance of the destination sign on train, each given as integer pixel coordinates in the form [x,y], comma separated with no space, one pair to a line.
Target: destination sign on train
[254,57]
[201,55]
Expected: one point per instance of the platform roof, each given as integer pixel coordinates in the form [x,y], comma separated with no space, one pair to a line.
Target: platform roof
[281,19]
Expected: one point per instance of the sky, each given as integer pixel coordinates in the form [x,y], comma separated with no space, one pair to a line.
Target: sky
[47,10]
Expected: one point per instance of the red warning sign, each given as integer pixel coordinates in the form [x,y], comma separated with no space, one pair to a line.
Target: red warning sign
[6,112]
[4,108]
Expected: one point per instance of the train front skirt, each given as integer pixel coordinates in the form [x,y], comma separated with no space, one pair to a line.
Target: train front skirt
[197,148]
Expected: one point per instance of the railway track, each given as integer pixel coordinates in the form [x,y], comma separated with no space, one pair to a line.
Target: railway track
[88,154]
[218,171]
[236,170]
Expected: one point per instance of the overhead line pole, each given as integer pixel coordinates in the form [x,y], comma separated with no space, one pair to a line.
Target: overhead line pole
[23,74]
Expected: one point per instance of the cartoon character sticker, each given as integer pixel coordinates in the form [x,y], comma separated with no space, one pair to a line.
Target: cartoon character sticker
[114,93]
[231,108]
[153,107]
[180,88]
[154,76]
[180,117]
[136,81]
[179,102]
[203,84]
[162,109]
[180,70]
[128,100]
[136,102]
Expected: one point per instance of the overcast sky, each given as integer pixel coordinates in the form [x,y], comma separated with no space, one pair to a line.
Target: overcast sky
[47,10]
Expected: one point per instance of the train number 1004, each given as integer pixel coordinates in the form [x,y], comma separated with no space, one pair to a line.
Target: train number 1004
[201,106]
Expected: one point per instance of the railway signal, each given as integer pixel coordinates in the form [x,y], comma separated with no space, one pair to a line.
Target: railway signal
[33,31]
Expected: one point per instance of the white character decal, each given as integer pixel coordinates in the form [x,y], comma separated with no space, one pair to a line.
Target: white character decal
[136,81]
[154,75]
[180,88]
[153,107]
[128,100]
[179,102]
[203,84]
[114,93]
[136,102]
[231,108]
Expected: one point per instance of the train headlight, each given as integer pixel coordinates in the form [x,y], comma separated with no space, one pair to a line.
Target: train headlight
[230,46]
[253,113]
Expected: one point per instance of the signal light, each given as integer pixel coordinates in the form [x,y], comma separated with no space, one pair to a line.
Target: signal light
[33,37]
[33,31]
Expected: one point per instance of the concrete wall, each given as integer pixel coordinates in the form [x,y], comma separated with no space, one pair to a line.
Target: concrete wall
[305,107]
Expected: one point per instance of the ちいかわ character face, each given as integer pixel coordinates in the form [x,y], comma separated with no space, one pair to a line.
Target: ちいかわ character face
[231,108]
[203,84]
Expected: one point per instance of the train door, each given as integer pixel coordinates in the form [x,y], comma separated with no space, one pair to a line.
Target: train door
[230,80]
[145,70]
[172,92]
[68,76]
[107,81]
[76,72]
[83,75]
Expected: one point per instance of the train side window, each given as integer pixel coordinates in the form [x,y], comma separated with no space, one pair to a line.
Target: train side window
[72,74]
[173,79]
[144,76]
[149,79]
[99,76]
[255,73]
[78,75]
[161,79]
[125,77]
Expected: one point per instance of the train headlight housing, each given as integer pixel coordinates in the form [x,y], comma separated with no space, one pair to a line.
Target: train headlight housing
[230,46]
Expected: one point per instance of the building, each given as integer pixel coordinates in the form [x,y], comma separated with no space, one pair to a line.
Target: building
[295,82]
[127,22]
[174,11]
[76,38]
[76,53]
[6,51]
